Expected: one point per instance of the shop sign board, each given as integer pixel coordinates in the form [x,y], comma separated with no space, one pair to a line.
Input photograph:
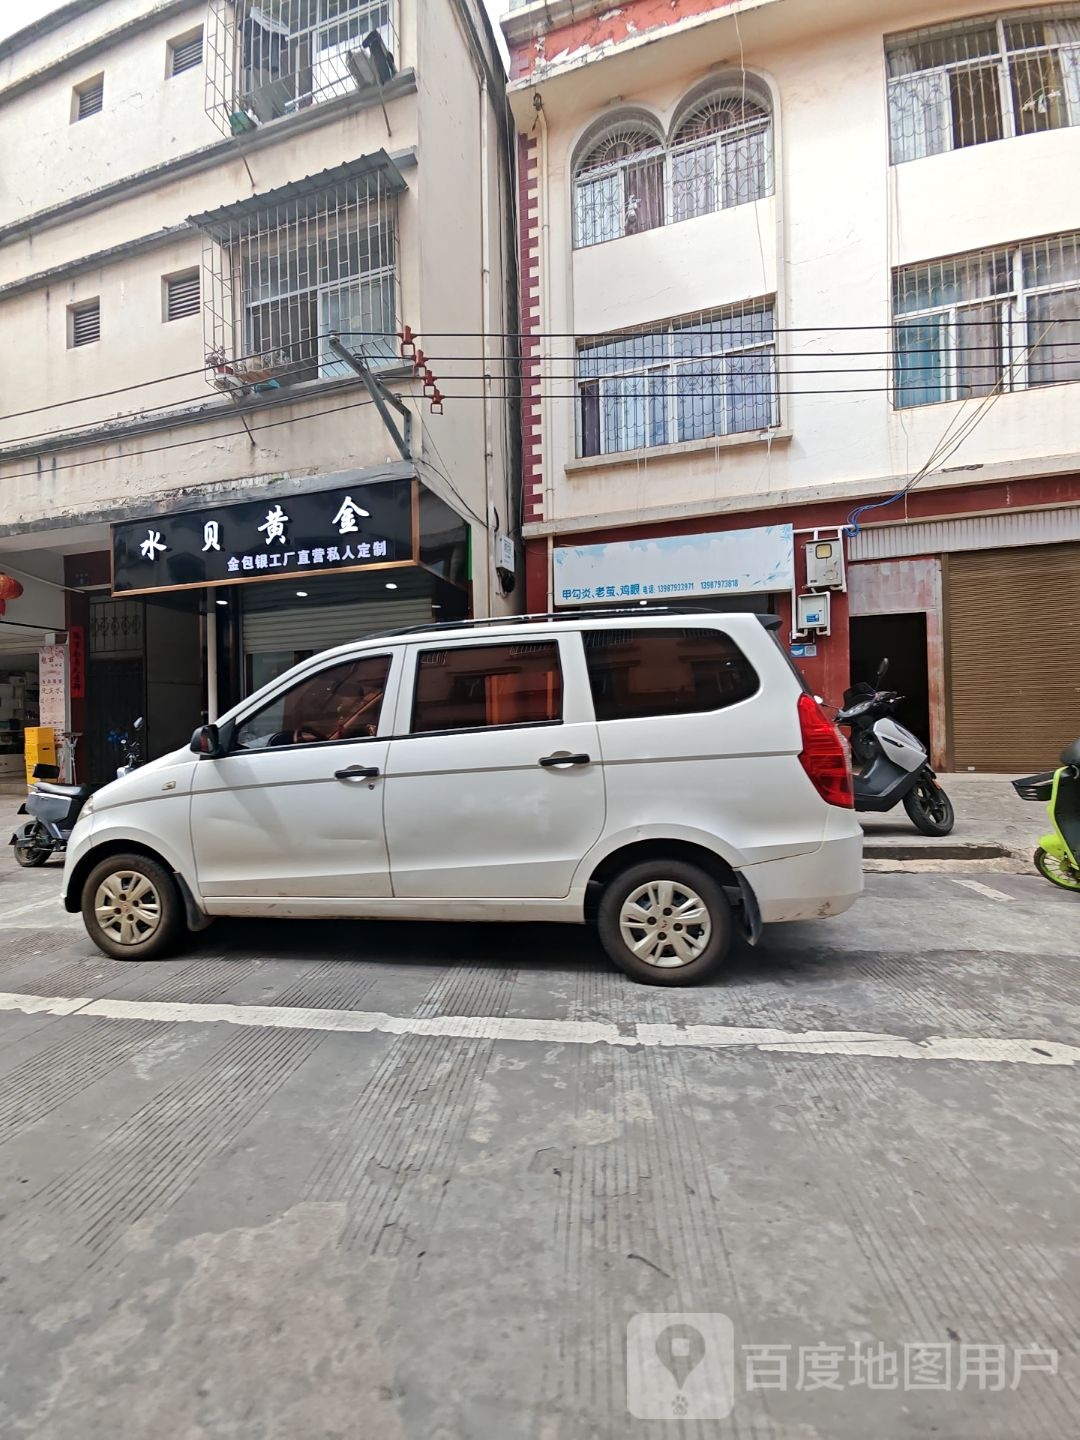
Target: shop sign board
[77,662]
[677,567]
[52,683]
[321,532]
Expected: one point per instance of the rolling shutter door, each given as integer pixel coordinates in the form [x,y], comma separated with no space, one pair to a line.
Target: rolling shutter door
[1014,639]
[318,627]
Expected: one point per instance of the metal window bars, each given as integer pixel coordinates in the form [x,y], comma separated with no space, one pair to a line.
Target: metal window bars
[630,180]
[989,78]
[702,376]
[269,58]
[1006,318]
[283,272]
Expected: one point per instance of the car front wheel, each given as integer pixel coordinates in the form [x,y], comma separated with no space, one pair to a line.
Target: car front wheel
[131,908]
[665,922]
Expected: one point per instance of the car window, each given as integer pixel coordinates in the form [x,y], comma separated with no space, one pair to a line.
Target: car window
[342,702]
[474,686]
[665,672]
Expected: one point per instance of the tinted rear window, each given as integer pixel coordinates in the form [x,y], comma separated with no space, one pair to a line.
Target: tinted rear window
[634,673]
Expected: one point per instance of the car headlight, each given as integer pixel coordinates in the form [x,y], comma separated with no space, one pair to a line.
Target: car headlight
[88,805]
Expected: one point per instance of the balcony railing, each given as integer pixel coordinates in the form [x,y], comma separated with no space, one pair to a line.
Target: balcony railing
[269,58]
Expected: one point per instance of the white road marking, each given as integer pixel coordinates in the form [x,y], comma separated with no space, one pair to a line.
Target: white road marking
[39,904]
[979,1049]
[981,889]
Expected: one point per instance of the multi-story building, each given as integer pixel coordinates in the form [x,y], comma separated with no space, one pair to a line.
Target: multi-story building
[801,309]
[220,449]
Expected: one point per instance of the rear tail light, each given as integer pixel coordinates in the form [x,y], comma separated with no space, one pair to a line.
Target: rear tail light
[824,755]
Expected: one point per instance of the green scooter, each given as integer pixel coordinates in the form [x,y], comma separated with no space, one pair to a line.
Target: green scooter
[1058,857]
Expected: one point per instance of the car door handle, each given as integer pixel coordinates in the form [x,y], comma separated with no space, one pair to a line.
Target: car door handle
[549,761]
[357,772]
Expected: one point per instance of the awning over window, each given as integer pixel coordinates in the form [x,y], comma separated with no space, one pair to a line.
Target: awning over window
[373,176]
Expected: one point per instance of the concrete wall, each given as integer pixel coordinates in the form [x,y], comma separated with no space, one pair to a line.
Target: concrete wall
[436,134]
[841,220]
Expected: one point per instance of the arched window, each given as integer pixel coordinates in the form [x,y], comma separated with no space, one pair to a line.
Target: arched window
[721,155]
[619,184]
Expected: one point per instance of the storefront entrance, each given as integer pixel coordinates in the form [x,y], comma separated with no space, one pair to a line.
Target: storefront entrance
[902,640]
[1013,619]
[145,658]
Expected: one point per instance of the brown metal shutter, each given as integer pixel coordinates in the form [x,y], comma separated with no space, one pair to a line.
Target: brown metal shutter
[1014,657]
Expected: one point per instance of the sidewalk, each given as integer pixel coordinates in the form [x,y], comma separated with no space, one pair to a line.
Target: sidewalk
[990,817]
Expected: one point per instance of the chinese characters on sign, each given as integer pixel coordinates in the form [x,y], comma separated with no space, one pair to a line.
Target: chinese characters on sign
[301,534]
[52,681]
[727,562]
[77,661]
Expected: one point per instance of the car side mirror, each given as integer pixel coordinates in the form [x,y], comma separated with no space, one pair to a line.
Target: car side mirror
[882,671]
[206,742]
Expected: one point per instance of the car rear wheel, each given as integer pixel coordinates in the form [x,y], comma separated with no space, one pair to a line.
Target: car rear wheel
[131,908]
[665,922]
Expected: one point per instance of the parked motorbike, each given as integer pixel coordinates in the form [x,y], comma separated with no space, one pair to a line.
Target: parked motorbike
[1058,857]
[890,764]
[54,808]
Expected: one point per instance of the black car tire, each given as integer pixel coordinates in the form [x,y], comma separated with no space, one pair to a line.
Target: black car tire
[144,895]
[626,916]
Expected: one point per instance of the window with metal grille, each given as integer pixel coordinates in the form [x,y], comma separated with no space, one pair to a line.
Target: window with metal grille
[984,79]
[721,156]
[629,180]
[1000,319]
[268,58]
[88,98]
[710,375]
[185,52]
[182,295]
[84,323]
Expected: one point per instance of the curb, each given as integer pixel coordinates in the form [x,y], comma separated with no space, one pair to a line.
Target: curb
[965,850]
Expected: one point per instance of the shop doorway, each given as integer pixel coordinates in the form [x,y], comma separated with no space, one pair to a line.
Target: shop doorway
[145,658]
[902,638]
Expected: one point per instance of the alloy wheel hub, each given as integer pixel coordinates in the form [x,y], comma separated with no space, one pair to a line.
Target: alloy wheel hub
[665,923]
[127,907]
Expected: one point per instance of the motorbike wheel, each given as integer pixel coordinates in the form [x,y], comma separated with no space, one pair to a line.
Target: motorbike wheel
[29,855]
[1058,872]
[929,809]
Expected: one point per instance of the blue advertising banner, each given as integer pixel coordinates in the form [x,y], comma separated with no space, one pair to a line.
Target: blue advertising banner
[725,562]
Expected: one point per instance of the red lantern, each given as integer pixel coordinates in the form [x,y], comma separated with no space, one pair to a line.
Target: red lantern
[10,589]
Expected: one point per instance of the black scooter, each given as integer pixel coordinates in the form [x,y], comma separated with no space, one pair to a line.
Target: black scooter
[54,808]
[891,765]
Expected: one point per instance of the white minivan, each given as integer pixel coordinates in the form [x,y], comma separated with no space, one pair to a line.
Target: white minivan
[664,775]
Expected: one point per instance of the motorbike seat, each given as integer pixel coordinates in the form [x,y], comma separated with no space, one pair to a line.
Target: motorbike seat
[70,792]
[1071,754]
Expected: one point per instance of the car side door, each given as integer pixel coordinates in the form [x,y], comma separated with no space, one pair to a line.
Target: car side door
[295,808]
[494,787]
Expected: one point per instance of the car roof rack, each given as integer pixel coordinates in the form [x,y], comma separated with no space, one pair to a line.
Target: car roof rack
[770,622]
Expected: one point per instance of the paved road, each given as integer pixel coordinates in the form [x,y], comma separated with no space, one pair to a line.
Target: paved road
[425,1179]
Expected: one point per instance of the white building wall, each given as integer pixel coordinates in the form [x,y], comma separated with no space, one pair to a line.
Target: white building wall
[842,218]
[433,131]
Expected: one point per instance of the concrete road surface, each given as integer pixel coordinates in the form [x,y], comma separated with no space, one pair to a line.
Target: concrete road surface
[363,1180]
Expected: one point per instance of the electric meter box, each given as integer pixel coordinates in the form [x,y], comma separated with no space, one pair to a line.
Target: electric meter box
[825,564]
[812,612]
